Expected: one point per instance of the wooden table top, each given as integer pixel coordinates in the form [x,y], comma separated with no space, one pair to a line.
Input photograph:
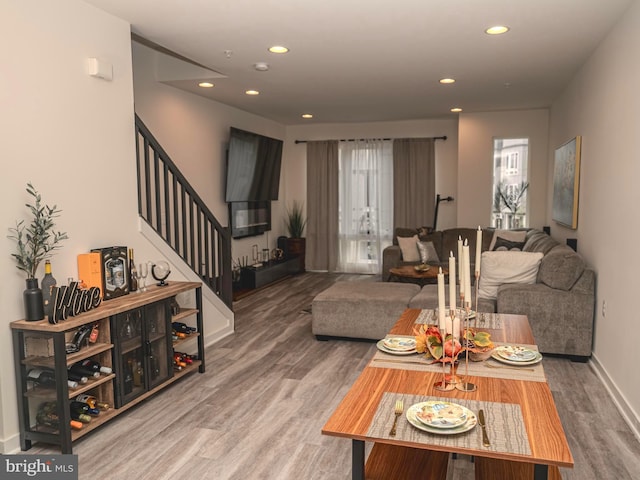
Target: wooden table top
[408,271]
[547,439]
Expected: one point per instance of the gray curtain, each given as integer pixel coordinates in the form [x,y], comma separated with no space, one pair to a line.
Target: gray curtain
[414,182]
[322,205]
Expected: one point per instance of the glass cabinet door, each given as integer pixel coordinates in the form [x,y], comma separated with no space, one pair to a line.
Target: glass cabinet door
[158,342]
[129,352]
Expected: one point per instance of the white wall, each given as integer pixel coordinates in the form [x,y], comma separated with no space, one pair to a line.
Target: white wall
[69,134]
[602,104]
[446,152]
[194,131]
[475,162]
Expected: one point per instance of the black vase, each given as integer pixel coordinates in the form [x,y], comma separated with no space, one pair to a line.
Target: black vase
[33,303]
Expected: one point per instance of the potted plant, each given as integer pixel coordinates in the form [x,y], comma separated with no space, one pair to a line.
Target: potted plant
[295,222]
[36,242]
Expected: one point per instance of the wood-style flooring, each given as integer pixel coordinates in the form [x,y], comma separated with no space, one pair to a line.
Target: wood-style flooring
[269,388]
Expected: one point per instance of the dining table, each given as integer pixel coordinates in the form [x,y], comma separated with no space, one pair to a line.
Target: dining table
[525,434]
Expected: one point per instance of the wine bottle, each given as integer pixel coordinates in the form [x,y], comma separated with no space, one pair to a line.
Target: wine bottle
[42,376]
[85,372]
[182,327]
[94,366]
[48,282]
[93,336]
[92,401]
[82,407]
[133,281]
[74,377]
[47,416]
[155,366]
[82,417]
[138,375]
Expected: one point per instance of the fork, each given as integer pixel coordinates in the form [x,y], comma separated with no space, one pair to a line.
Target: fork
[490,365]
[398,409]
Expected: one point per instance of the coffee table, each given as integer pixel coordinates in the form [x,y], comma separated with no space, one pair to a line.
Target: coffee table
[409,274]
[544,434]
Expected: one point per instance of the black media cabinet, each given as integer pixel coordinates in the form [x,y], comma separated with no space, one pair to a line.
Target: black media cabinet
[256,277]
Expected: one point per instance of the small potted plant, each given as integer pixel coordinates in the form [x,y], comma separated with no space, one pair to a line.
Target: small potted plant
[295,222]
[36,242]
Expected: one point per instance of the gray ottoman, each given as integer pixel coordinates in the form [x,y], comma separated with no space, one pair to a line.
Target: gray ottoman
[360,309]
[428,299]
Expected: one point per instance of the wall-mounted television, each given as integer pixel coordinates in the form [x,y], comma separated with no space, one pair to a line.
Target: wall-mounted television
[253,167]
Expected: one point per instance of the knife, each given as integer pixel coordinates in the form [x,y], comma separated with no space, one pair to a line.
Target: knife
[485,438]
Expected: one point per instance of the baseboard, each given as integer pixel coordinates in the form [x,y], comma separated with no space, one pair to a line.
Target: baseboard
[629,415]
[10,445]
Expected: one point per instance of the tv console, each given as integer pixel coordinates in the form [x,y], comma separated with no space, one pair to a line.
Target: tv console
[252,278]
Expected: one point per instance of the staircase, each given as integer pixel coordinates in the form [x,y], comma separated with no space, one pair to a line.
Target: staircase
[172,208]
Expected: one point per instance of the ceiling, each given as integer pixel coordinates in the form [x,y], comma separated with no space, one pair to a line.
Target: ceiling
[374,60]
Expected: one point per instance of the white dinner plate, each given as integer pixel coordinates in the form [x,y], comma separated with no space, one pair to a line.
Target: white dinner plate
[399,344]
[413,420]
[442,414]
[516,353]
[384,349]
[496,356]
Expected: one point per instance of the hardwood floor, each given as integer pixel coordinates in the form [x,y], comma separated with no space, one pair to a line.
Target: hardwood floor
[268,390]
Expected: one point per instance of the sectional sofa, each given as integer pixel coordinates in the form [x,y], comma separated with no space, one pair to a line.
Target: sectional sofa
[558,296]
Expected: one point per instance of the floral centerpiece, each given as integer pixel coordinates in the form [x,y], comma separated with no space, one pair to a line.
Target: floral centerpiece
[430,341]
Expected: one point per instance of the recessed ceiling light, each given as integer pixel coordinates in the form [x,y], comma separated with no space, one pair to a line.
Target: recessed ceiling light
[447,80]
[497,30]
[307,115]
[456,109]
[252,92]
[278,49]
[205,84]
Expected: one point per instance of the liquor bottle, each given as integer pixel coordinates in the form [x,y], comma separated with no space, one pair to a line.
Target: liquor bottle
[94,366]
[77,369]
[93,336]
[128,379]
[138,375]
[48,282]
[93,402]
[82,407]
[133,280]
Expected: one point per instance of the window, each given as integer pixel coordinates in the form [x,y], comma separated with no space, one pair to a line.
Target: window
[510,184]
[366,204]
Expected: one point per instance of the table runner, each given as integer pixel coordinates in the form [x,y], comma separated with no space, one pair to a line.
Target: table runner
[485,320]
[504,421]
[418,362]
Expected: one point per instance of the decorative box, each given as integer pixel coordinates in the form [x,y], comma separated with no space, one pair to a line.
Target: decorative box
[115,271]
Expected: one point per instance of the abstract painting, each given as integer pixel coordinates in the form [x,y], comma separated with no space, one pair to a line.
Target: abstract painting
[566,183]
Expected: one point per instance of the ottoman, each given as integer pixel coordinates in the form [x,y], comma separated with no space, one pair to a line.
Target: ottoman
[428,299]
[364,310]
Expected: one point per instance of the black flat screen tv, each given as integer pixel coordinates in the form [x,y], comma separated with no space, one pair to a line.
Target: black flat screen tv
[253,167]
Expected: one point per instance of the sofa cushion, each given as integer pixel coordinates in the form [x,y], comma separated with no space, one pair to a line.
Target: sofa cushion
[538,241]
[428,252]
[511,235]
[561,268]
[502,244]
[507,267]
[409,247]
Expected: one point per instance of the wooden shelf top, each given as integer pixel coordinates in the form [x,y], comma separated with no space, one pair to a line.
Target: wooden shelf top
[109,307]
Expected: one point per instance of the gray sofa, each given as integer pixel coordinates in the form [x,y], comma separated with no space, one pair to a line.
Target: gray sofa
[560,305]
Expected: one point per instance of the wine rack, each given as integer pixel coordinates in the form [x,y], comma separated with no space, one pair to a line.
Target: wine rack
[41,345]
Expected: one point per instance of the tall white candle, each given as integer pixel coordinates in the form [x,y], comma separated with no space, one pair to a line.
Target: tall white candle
[456,329]
[478,250]
[460,265]
[442,314]
[452,281]
[448,330]
[467,274]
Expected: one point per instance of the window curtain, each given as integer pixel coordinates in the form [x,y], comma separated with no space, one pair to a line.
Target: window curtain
[414,184]
[366,204]
[322,206]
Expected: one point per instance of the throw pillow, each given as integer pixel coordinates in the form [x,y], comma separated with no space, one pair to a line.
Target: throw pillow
[504,244]
[507,267]
[511,235]
[409,248]
[561,268]
[428,252]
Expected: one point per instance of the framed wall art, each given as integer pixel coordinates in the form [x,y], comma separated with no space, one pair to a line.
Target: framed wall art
[566,183]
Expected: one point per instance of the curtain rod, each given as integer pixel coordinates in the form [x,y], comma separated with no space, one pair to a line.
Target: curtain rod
[444,137]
